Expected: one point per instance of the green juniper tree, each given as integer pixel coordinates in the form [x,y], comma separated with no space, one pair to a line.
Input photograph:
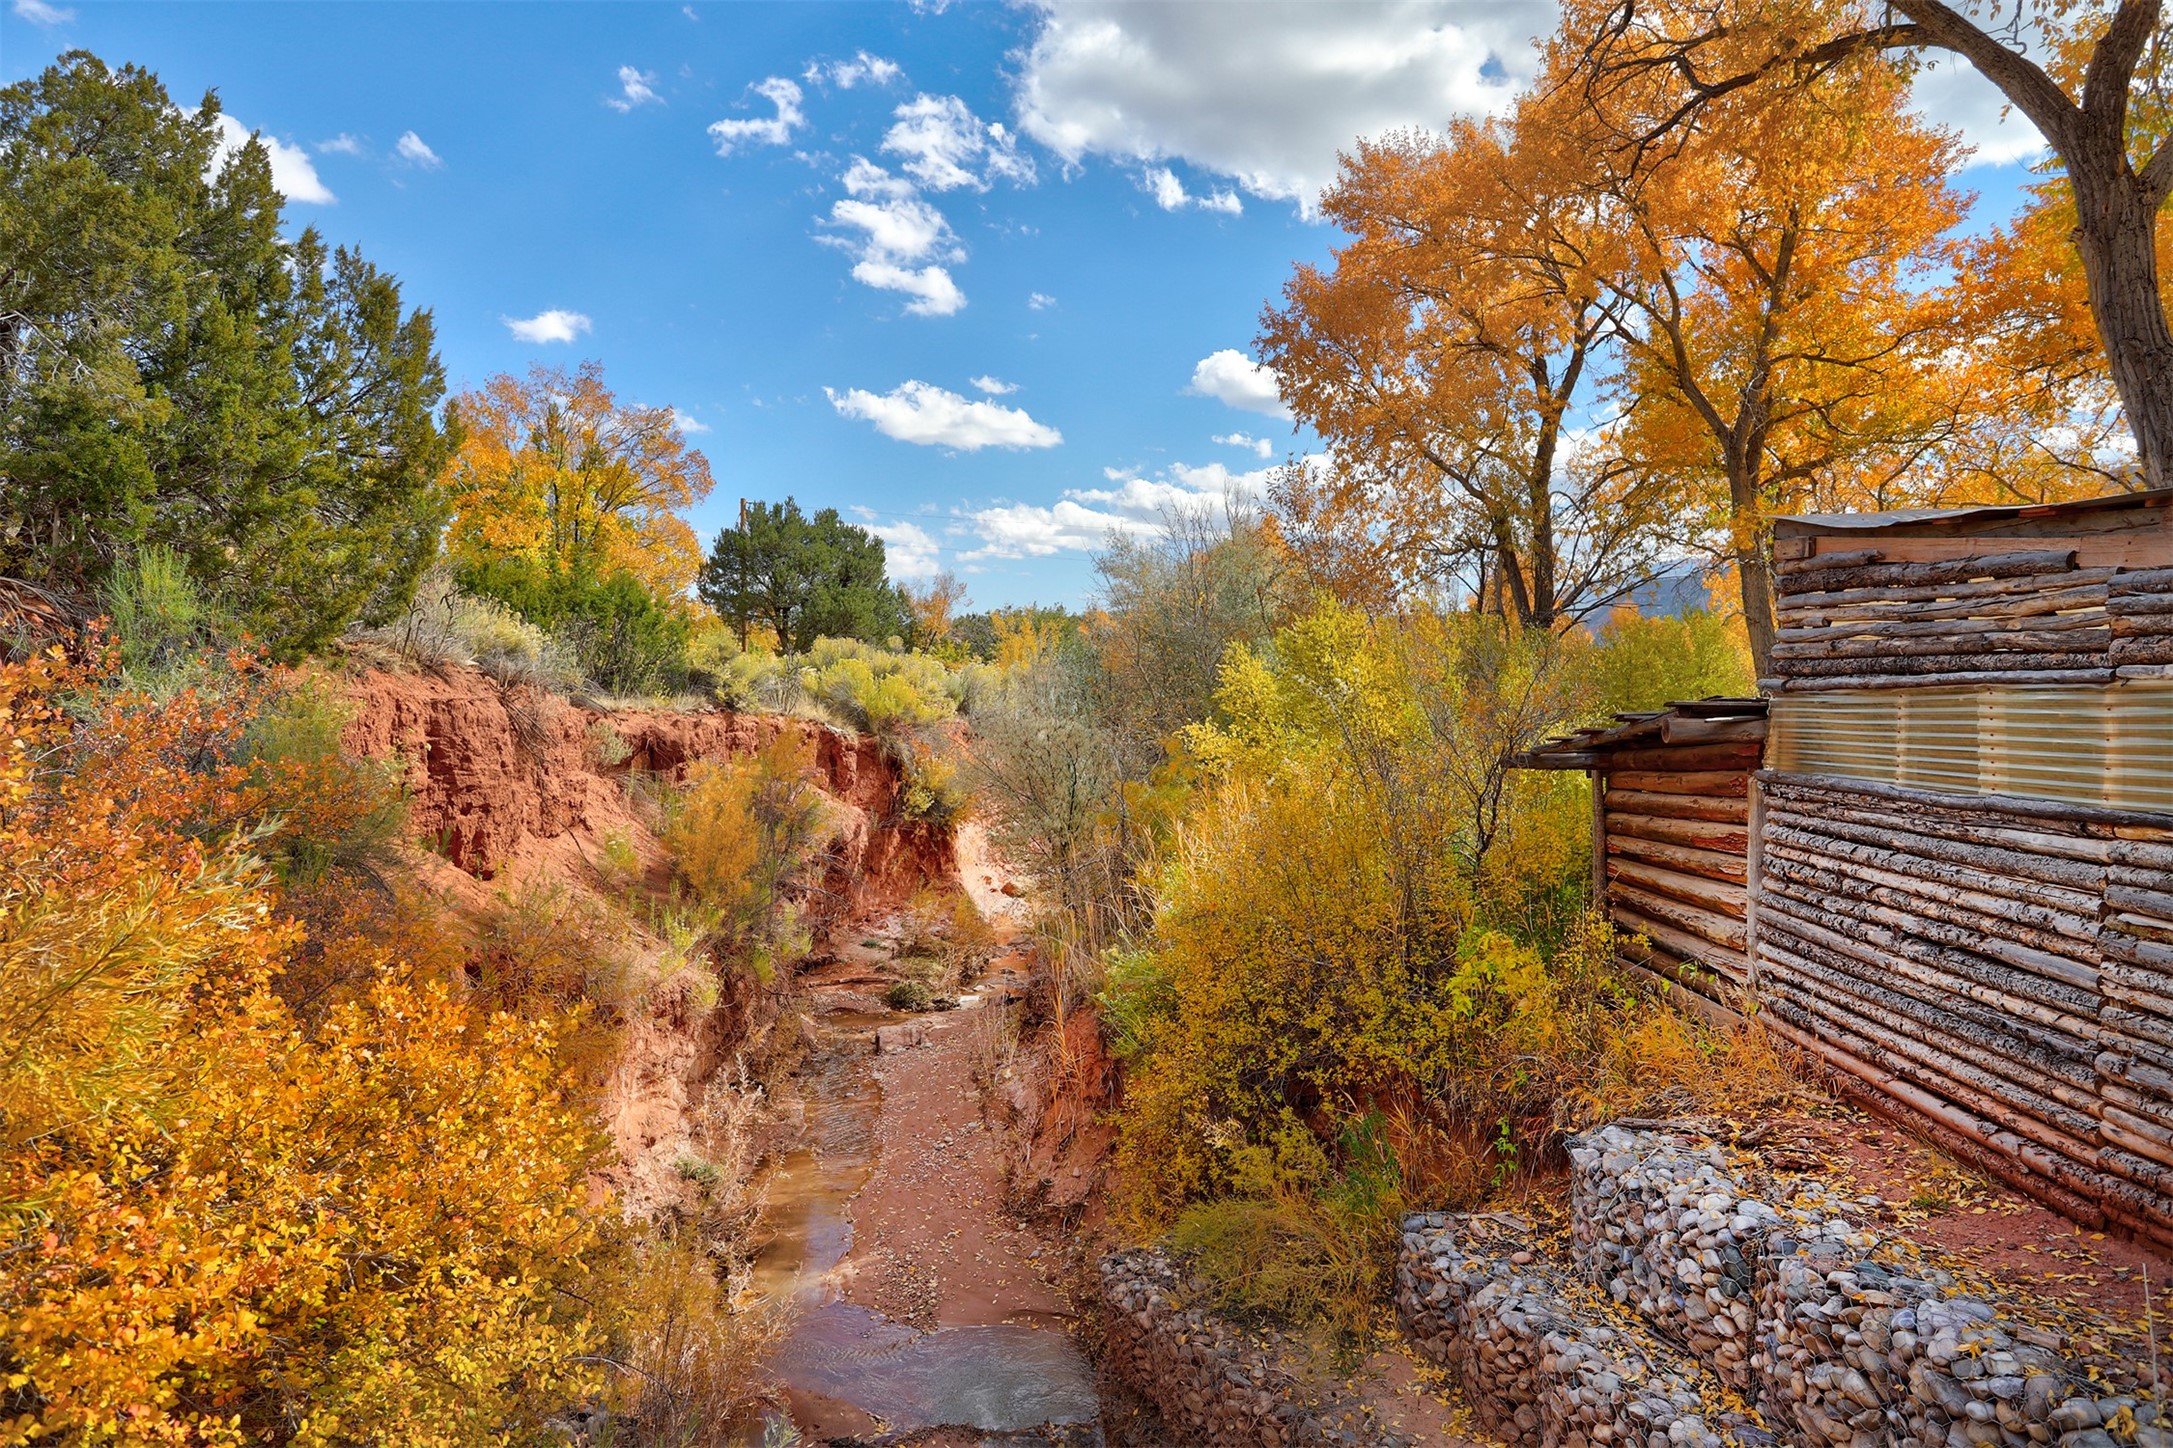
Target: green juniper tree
[175,373]
[804,578]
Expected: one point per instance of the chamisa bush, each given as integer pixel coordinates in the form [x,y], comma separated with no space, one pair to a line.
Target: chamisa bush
[226,1221]
[1368,980]
[741,835]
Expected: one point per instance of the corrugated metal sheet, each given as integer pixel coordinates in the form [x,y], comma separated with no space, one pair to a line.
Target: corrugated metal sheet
[2110,746]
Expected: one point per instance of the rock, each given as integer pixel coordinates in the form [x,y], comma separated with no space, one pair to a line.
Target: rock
[904,1036]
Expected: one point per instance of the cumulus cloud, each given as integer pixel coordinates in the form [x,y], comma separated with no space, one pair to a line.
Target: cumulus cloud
[1231,377]
[919,412]
[902,242]
[1266,95]
[909,550]
[1083,519]
[845,74]
[1039,301]
[412,149]
[994,387]
[555,325]
[292,173]
[1951,92]
[765,130]
[1257,446]
[945,146]
[37,12]
[684,421]
[1169,193]
[342,144]
[636,88]
[933,291]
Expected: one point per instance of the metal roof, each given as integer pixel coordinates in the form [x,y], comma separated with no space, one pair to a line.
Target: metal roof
[1917,517]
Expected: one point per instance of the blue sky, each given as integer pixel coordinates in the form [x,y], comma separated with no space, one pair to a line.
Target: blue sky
[983,272]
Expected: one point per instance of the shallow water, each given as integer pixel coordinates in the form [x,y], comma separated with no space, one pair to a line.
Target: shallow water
[1002,1378]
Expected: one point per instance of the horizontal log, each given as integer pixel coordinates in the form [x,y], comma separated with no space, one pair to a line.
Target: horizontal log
[1823,562]
[2061,1017]
[2139,1075]
[1946,663]
[1707,894]
[2138,1134]
[2043,907]
[2149,626]
[2069,986]
[2079,583]
[1935,605]
[2134,900]
[1838,683]
[2155,650]
[2135,998]
[2135,1033]
[1724,963]
[1707,783]
[1873,827]
[2137,605]
[1706,925]
[1914,630]
[1710,863]
[2027,564]
[1698,834]
[2054,842]
[2087,819]
[1699,758]
[2068,1074]
[1955,642]
[1678,806]
[2150,954]
[2147,580]
[1675,731]
[2144,671]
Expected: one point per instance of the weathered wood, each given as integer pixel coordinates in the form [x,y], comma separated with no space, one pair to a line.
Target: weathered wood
[1790,567]
[2140,1075]
[2136,900]
[1678,806]
[1685,946]
[1698,834]
[2072,913]
[2147,580]
[1913,625]
[1957,641]
[1699,890]
[1705,783]
[1872,828]
[2117,945]
[2028,564]
[2021,598]
[2156,650]
[1699,758]
[1842,804]
[1675,731]
[2141,626]
[2095,820]
[1712,864]
[2138,605]
[1704,924]
[1946,663]
[1843,682]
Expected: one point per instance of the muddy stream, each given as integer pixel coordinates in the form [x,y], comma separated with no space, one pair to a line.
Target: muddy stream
[918,1304]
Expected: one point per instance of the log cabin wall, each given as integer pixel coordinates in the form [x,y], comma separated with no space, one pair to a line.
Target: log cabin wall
[1963,893]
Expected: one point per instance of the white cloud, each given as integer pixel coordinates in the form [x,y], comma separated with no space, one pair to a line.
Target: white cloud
[636,88]
[994,387]
[412,149]
[292,173]
[1266,95]
[37,12]
[685,422]
[865,178]
[555,325]
[688,11]
[902,240]
[946,146]
[768,130]
[1231,377]
[934,293]
[1084,518]
[342,144]
[898,229]
[1169,193]
[1950,92]
[909,550]
[1257,446]
[845,74]
[919,412]
[1039,301]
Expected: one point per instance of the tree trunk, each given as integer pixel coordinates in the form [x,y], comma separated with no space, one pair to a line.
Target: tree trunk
[2116,232]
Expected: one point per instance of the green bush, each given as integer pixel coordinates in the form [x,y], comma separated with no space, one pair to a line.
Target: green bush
[159,619]
[620,636]
[908,995]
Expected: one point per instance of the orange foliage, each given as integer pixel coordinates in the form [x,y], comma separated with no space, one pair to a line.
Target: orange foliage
[554,470]
[220,1225]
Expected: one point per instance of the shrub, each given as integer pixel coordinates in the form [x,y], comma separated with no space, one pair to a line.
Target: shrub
[445,625]
[908,995]
[741,835]
[158,618]
[622,637]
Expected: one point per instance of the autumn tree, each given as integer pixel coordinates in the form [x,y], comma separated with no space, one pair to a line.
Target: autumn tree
[555,471]
[1446,356]
[932,605]
[177,374]
[2092,78]
[1784,335]
[802,578]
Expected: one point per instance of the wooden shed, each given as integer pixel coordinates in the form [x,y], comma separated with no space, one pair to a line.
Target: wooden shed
[1671,803]
[1964,896]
